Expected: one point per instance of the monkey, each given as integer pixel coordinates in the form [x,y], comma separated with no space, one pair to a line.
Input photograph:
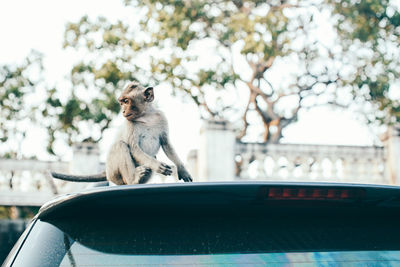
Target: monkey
[132,157]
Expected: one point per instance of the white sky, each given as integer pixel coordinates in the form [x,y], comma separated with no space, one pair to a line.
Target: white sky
[27,25]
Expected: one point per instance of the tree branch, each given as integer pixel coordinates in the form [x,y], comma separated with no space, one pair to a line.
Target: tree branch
[244,118]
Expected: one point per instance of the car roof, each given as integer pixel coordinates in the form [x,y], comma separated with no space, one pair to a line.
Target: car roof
[221,196]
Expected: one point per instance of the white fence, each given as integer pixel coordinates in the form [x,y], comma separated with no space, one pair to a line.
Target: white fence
[220,158]
[29,183]
[220,154]
[292,162]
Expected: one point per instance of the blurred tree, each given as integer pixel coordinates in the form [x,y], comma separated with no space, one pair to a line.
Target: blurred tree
[370,36]
[243,40]
[16,90]
[88,108]
[252,62]
[246,43]
[27,101]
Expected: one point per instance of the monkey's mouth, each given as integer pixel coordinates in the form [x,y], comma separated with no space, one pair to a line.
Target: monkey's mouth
[129,115]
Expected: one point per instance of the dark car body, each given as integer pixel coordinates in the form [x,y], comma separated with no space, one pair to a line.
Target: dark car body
[213,224]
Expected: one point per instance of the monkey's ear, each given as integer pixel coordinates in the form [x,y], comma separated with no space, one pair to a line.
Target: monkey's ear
[149,94]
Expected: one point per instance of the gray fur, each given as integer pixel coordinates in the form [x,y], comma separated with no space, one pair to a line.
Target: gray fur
[131,159]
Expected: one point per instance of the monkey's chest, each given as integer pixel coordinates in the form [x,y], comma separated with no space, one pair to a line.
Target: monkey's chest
[149,141]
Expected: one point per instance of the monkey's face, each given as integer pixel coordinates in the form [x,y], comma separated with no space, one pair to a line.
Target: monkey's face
[134,100]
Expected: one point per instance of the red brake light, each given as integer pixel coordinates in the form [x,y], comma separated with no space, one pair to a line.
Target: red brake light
[291,193]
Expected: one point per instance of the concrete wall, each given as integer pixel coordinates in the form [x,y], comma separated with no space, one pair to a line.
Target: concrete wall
[392,145]
[219,152]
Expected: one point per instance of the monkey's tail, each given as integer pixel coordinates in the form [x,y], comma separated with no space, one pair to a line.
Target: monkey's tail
[100,177]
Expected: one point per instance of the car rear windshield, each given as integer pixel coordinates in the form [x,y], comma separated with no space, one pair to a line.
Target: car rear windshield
[204,241]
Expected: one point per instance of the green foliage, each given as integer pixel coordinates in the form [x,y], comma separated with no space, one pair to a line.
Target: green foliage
[263,32]
[16,88]
[242,40]
[367,20]
[167,33]
[370,30]
[62,114]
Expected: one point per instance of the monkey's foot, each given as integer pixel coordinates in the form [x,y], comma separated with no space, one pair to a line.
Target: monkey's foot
[142,174]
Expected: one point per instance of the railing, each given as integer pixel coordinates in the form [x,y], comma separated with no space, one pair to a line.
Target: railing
[28,182]
[292,162]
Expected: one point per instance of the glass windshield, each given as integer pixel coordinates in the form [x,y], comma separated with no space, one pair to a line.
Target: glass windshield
[204,242]
[82,256]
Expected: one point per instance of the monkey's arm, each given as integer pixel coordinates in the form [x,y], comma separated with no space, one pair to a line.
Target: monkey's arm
[183,174]
[143,159]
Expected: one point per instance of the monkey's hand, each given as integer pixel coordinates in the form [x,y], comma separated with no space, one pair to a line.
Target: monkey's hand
[184,175]
[164,169]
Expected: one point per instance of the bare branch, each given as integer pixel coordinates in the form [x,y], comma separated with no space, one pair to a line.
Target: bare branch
[244,118]
[257,90]
[270,85]
[267,116]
